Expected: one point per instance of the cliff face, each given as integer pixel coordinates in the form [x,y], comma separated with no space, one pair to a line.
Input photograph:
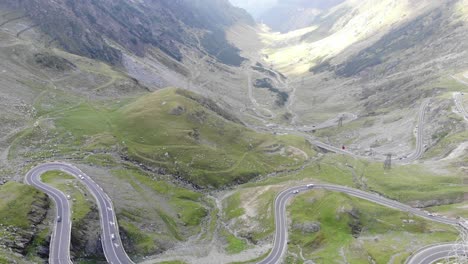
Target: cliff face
[23,211]
[88,27]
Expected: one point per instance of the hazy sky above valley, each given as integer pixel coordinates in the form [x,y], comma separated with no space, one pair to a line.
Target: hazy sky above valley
[259,7]
[255,7]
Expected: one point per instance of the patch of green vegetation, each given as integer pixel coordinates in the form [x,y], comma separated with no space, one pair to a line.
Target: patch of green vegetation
[102,160]
[195,142]
[81,206]
[87,261]
[211,225]
[404,183]
[16,202]
[142,242]
[101,142]
[263,199]
[253,260]
[232,208]
[142,239]
[136,216]
[20,208]
[172,262]
[7,257]
[359,229]
[446,143]
[18,138]
[450,84]
[40,239]
[234,244]
[354,125]
[53,101]
[457,209]
[186,202]
[326,169]
[84,120]
[175,130]
[266,209]
[410,183]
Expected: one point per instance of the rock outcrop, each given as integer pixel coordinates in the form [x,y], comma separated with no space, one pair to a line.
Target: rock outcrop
[307,227]
[19,238]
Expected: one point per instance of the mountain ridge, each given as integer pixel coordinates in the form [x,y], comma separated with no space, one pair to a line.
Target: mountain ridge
[88,27]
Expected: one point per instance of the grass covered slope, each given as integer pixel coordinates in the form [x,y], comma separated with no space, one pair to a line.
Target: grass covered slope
[17,201]
[22,210]
[183,133]
[334,228]
[250,209]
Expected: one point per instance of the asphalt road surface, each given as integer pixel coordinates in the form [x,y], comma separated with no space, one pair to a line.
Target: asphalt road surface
[417,153]
[435,254]
[420,147]
[458,98]
[281,233]
[60,241]
[115,253]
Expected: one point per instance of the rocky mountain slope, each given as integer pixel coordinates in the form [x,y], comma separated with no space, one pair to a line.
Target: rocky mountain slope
[94,28]
[22,231]
[376,59]
[55,104]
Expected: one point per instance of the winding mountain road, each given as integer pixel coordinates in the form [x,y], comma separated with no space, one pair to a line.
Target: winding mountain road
[458,99]
[115,253]
[420,147]
[414,156]
[434,253]
[417,153]
[60,241]
[281,233]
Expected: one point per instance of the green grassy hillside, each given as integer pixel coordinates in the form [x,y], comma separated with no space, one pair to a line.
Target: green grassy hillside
[172,129]
[21,198]
[355,230]
[22,209]
[178,131]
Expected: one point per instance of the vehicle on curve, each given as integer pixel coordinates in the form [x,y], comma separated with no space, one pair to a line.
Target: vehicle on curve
[112,236]
[295,191]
